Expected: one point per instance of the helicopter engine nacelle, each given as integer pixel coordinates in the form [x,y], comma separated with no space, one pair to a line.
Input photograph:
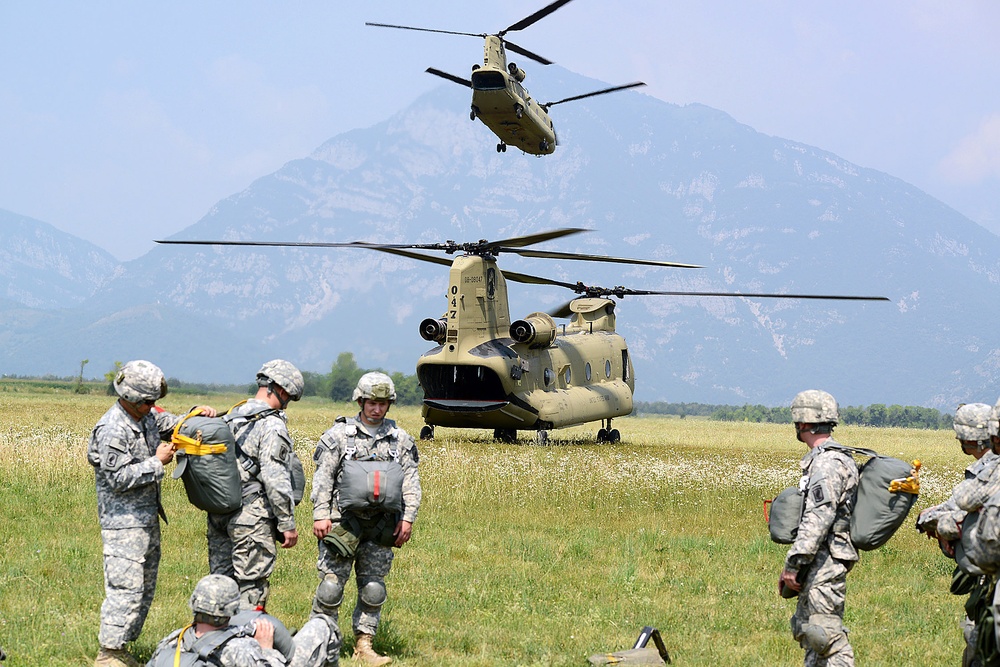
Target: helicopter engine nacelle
[536,330]
[516,72]
[434,330]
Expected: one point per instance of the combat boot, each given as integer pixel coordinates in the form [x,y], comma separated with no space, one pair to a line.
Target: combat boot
[115,657]
[365,654]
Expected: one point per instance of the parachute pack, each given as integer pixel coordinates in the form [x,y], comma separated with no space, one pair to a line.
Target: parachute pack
[209,459]
[887,489]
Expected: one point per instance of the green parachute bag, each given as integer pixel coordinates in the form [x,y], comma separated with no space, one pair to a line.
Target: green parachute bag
[206,463]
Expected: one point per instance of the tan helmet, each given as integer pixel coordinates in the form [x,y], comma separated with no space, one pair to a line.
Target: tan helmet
[972,422]
[216,596]
[284,374]
[813,406]
[375,385]
[139,381]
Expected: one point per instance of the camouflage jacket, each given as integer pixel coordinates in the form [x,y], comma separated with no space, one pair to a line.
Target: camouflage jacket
[944,519]
[237,652]
[829,481]
[372,443]
[126,470]
[267,443]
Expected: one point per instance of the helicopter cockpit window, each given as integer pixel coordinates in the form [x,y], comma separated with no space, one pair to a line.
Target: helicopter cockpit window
[586,371]
[488,80]
[549,376]
[607,368]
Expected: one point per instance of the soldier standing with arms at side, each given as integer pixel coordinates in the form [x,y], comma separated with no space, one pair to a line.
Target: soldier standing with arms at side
[241,545]
[355,529]
[128,456]
[942,521]
[821,556]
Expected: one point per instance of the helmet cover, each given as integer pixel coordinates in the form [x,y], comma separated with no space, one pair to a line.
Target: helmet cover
[139,381]
[375,385]
[284,374]
[815,407]
[972,422]
[215,595]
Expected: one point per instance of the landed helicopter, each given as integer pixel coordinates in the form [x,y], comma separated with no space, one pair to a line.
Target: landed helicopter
[498,98]
[531,374]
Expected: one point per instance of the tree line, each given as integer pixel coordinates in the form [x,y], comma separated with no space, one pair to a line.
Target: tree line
[877,414]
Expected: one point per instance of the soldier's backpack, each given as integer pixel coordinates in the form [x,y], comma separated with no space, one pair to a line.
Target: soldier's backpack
[368,485]
[206,650]
[236,424]
[206,463]
[887,489]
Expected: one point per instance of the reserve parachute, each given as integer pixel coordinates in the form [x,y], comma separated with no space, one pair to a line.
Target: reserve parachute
[887,489]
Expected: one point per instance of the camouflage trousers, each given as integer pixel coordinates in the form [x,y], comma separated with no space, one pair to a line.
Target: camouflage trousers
[131,561]
[317,643]
[371,563]
[242,546]
[969,658]
[818,623]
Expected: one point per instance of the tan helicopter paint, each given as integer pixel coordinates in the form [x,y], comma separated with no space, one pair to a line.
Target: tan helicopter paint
[560,376]
[506,107]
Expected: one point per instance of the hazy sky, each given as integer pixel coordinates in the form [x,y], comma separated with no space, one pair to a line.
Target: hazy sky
[121,122]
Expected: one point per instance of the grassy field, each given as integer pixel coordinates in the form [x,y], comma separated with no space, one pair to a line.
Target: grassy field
[522,555]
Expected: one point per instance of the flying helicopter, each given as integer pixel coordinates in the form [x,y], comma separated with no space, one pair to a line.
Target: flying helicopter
[531,374]
[498,98]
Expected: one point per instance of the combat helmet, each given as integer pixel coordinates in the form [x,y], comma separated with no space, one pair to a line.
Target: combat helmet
[284,374]
[375,385]
[813,406]
[972,422]
[139,381]
[215,599]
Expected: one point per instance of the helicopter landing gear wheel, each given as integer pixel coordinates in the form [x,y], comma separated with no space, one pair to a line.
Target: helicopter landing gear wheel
[608,434]
[508,436]
[602,436]
[541,438]
[544,146]
[501,147]
[427,432]
[614,436]
[518,110]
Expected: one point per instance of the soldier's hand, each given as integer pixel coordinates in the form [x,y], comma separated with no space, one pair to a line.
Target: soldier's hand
[165,452]
[947,547]
[207,410]
[291,539]
[264,633]
[321,528]
[402,532]
[790,580]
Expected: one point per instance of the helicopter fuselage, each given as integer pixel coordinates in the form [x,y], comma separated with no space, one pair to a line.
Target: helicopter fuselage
[531,374]
[505,106]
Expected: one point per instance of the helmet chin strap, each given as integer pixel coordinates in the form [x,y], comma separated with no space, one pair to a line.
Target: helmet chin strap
[271,391]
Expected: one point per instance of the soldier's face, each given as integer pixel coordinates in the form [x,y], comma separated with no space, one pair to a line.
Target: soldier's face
[373,410]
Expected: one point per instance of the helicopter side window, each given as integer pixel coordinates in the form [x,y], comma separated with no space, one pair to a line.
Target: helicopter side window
[586,371]
[625,365]
[488,80]
[607,368]
[549,376]
[567,375]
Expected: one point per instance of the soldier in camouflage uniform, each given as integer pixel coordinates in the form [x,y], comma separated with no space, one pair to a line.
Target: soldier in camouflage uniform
[128,458]
[241,545]
[971,426]
[362,538]
[244,642]
[818,561]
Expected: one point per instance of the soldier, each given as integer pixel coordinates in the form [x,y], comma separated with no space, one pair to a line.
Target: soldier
[356,528]
[128,458]
[942,521]
[241,545]
[818,561]
[248,640]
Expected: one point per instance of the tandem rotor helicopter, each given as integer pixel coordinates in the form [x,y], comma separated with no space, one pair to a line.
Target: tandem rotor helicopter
[531,374]
[499,99]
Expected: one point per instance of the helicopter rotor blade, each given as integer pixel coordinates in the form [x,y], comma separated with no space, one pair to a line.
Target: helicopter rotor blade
[534,280]
[540,14]
[532,239]
[451,77]
[605,91]
[407,27]
[550,254]
[511,46]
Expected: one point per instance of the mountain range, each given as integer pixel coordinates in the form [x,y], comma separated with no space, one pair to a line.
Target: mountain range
[649,178]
